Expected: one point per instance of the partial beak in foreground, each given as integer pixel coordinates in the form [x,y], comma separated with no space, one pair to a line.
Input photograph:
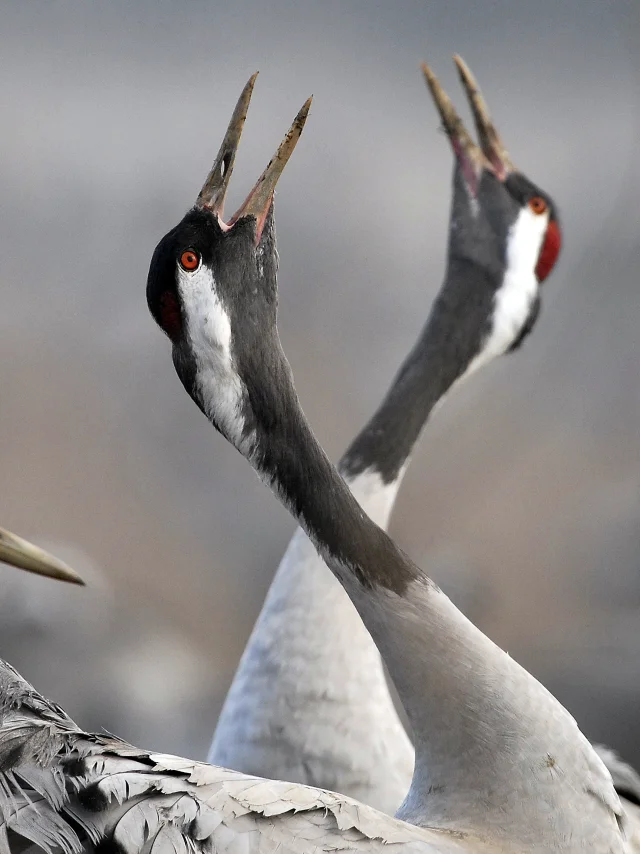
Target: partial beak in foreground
[24,555]
[258,202]
[491,153]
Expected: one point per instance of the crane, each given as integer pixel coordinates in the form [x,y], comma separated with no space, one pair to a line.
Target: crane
[496,754]
[500,764]
[334,724]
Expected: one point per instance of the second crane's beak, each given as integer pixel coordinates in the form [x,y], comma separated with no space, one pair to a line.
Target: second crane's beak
[24,555]
[491,153]
[258,202]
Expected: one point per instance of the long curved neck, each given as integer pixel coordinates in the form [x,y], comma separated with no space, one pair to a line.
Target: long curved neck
[483,726]
[309,701]
[292,462]
[446,350]
[386,442]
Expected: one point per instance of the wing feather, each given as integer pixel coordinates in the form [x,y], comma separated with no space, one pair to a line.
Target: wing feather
[65,791]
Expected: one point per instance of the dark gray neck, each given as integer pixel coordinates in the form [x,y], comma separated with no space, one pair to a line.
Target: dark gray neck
[288,457]
[469,704]
[448,343]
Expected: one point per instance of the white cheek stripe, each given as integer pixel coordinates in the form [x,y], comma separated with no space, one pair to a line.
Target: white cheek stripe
[209,332]
[516,296]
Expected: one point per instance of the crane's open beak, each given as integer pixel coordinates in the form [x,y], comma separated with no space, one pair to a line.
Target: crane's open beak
[24,555]
[491,154]
[258,202]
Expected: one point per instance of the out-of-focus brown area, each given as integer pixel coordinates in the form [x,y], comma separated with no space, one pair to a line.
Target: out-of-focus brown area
[524,496]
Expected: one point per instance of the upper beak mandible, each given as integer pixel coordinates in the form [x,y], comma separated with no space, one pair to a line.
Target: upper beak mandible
[489,138]
[214,189]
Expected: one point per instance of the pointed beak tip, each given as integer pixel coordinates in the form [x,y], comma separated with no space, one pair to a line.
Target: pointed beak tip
[24,555]
[426,70]
[466,76]
[304,109]
[460,65]
[73,578]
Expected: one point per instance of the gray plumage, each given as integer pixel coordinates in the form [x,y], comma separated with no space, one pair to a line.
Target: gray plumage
[497,756]
[309,701]
[500,764]
[64,790]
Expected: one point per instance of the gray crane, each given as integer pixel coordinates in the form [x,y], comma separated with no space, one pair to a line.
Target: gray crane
[500,764]
[334,724]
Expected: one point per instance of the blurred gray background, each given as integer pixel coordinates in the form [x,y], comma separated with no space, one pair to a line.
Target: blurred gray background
[524,497]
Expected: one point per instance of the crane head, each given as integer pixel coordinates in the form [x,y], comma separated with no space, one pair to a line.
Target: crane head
[212,284]
[501,222]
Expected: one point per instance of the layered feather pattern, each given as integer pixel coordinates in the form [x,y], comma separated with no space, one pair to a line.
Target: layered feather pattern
[65,791]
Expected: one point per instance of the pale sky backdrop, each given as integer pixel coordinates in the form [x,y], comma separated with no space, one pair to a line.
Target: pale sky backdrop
[524,496]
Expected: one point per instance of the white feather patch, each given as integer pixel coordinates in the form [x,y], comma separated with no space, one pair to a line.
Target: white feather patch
[209,330]
[516,296]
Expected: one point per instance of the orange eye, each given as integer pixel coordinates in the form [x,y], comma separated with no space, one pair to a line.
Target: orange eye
[538,205]
[190,260]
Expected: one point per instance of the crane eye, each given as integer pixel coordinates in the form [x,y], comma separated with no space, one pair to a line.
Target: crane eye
[190,260]
[538,205]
